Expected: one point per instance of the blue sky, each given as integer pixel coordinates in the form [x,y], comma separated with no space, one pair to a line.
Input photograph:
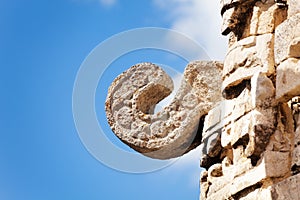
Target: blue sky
[42,45]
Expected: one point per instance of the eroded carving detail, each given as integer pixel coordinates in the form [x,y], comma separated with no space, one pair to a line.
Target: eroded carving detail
[170,132]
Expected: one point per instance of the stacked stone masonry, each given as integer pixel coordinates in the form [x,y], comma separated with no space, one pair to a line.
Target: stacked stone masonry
[254,149]
[243,112]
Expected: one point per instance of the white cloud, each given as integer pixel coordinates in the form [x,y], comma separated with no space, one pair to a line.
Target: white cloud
[200,20]
[190,163]
[108,3]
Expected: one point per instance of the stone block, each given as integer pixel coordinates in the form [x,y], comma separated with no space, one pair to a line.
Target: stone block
[288,189]
[277,164]
[256,124]
[258,194]
[249,56]
[213,117]
[251,110]
[262,91]
[211,144]
[271,165]
[266,16]
[288,79]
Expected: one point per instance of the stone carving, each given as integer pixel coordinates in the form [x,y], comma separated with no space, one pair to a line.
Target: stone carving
[250,138]
[173,131]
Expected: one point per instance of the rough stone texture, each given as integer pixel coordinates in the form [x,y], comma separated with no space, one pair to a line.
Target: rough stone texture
[259,119]
[272,165]
[287,189]
[294,7]
[235,13]
[266,16]
[171,132]
[252,116]
[248,56]
[286,36]
[288,79]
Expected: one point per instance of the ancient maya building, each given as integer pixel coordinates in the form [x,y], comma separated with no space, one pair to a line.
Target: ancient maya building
[243,112]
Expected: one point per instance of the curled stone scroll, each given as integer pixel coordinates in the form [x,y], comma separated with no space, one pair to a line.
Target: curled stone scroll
[173,131]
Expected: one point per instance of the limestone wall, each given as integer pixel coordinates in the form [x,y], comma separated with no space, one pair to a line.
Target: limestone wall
[251,139]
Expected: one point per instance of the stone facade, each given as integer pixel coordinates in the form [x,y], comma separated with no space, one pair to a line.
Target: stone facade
[244,112]
[258,119]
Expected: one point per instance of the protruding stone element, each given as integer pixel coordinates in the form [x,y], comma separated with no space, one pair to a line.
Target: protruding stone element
[288,79]
[211,137]
[230,21]
[235,15]
[173,131]
[251,120]
[248,18]
[250,55]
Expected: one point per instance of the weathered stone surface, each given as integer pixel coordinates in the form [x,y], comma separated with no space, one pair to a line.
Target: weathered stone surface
[211,135]
[254,128]
[248,56]
[262,91]
[279,142]
[288,189]
[259,156]
[212,144]
[286,35]
[227,4]
[288,79]
[266,16]
[235,16]
[230,21]
[272,164]
[294,7]
[204,185]
[171,132]
[294,50]
[252,116]
[258,194]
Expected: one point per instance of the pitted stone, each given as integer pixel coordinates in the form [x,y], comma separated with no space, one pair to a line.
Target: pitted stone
[171,132]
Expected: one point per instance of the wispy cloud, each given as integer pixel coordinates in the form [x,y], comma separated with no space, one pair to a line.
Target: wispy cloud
[189,162]
[199,20]
[108,3]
